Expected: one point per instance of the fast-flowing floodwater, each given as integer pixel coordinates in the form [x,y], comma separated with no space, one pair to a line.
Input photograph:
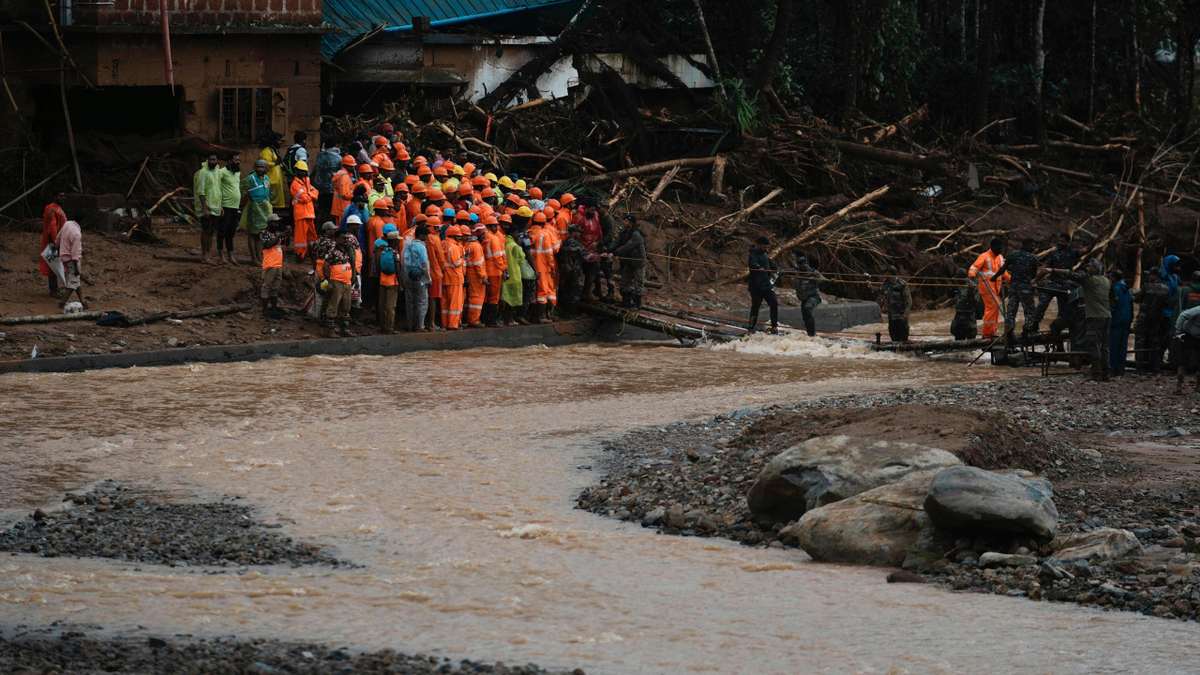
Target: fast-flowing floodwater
[451,478]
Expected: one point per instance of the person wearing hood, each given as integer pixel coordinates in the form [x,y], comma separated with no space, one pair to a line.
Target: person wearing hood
[1148,328]
[1097,298]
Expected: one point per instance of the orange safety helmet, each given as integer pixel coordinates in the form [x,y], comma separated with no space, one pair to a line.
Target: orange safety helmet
[468,168]
[420,161]
[553,203]
[504,218]
[474,209]
[419,218]
[379,204]
[418,188]
[488,193]
[512,197]
[410,179]
[400,187]
[462,215]
[548,212]
[380,141]
[386,164]
[424,171]
[536,193]
[464,190]
[566,199]
[366,168]
[480,181]
[491,220]
[402,154]
[433,221]
[432,211]
[440,172]
[539,217]
[347,160]
[435,195]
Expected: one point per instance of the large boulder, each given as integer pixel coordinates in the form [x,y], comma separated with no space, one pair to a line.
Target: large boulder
[1103,544]
[971,501]
[876,527]
[828,469]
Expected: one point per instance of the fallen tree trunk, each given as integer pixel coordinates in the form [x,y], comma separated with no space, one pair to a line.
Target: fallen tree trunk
[910,120]
[884,156]
[149,318]
[49,318]
[1096,183]
[651,168]
[808,235]
[212,311]
[675,330]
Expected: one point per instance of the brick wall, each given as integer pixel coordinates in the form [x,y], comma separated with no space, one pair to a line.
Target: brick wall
[206,12]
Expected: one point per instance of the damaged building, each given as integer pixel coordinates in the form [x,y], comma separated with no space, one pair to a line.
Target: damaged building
[132,77]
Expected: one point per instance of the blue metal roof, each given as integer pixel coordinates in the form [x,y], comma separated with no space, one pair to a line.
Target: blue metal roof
[356,17]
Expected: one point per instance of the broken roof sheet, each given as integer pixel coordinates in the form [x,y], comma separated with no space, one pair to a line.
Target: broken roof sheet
[355,17]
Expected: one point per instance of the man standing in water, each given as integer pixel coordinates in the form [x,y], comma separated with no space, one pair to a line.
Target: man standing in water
[896,301]
[762,284]
[807,283]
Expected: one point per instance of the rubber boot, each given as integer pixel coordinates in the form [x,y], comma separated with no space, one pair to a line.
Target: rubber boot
[1104,375]
[495,314]
[266,309]
[810,326]
[753,322]
[588,282]
[346,332]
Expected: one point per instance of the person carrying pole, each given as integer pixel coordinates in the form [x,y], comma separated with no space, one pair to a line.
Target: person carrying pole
[984,270]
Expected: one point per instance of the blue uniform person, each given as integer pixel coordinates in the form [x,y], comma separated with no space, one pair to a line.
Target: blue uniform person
[1122,319]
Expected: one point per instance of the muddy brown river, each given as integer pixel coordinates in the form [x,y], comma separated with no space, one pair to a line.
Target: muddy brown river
[451,478]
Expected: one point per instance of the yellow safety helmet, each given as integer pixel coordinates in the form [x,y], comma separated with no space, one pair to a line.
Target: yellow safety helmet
[519,185]
[458,171]
[490,176]
[300,165]
[505,181]
[524,211]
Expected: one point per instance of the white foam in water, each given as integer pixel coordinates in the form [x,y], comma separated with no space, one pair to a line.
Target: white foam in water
[797,343]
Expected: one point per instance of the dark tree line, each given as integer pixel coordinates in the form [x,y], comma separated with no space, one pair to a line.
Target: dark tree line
[971,61]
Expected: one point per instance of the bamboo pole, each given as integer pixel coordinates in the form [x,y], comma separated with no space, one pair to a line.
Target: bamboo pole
[651,168]
[49,318]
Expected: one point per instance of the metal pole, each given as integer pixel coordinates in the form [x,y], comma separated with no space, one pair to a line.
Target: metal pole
[62,90]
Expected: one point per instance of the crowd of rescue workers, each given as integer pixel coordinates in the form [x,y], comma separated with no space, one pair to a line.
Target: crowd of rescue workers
[448,243]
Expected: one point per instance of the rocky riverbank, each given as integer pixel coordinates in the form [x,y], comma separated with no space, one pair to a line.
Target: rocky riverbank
[71,651]
[115,521]
[1117,454]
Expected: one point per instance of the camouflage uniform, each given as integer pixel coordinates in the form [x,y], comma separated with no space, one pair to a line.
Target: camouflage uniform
[572,255]
[630,249]
[898,300]
[1022,267]
[807,284]
[1053,287]
[966,302]
[1148,327]
[1072,318]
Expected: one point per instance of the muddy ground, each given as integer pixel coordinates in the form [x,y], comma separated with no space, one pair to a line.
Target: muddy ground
[1121,455]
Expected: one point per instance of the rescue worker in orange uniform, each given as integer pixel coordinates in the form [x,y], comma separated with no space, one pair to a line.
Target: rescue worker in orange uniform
[477,276]
[304,199]
[437,265]
[541,251]
[414,204]
[984,270]
[343,187]
[497,264]
[452,279]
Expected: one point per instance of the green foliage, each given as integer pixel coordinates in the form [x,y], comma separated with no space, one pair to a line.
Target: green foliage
[738,110]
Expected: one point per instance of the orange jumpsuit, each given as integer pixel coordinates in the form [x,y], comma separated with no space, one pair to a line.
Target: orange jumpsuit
[304,196]
[555,247]
[476,273]
[452,285]
[497,262]
[984,269]
[343,192]
[413,205]
[437,263]
[542,252]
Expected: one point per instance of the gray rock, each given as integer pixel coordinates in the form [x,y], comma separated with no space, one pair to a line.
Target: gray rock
[654,517]
[171,342]
[993,559]
[1102,544]
[1176,432]
[868,528]
[828,469]
[973,501]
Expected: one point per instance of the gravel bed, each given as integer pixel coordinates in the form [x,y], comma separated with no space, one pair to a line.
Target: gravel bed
[691,478]
[51,651]
[112,521]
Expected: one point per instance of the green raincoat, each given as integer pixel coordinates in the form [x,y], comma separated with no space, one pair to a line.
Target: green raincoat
[510,290]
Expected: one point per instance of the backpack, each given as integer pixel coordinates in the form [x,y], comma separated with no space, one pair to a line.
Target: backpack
[387,262]
[289,164]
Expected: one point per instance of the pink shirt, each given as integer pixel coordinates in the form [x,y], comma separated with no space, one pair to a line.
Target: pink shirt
[70,242]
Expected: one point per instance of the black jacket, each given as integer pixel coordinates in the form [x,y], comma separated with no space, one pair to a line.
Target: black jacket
[630,248]
[760,270]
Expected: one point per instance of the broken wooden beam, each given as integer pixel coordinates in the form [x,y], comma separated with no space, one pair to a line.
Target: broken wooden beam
[212,311]
[651,168]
